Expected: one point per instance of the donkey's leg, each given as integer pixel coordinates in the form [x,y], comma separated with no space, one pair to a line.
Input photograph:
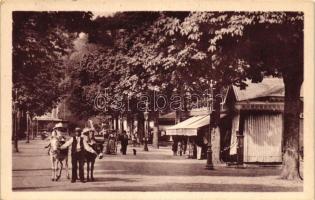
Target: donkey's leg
[52,168]
[55,169]
[88,170]
[92,169]
[60,170]
[52,172]
[67,168]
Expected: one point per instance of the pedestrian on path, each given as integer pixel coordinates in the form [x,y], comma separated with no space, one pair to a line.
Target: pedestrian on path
[180,148]
[124,142]
[174,148]
[134,139]
[79,144]
[184,145]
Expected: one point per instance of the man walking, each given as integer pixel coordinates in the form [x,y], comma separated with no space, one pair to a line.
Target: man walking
[124,142]
[77,154]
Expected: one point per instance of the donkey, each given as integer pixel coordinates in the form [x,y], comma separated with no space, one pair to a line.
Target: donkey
[90,157]
[57,156]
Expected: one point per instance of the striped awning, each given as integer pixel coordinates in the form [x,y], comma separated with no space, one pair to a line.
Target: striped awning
[189,127]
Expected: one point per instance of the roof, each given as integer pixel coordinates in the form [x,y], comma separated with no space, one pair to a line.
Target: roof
[269,87]
[171,115]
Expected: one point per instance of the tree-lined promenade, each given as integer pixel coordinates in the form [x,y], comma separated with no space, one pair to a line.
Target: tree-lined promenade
[71,57]
[157,170]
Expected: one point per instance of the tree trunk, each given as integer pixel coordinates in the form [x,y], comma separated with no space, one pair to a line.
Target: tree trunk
[121,120]
[155,141]
[32,129]
[130,123]
[213,136]
[112,122]
[292,109]
[15,124]
[27,127]
[177,116]
[140,126]
[116,122]
[215,144]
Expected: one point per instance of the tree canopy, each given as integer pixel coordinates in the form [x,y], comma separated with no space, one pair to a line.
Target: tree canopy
[41,40]
[137,52]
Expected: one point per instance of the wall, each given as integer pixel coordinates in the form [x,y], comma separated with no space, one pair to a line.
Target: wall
[263,137]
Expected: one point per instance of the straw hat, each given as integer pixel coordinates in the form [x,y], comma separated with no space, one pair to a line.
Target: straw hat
[77,129]
[85,130]
[58,125]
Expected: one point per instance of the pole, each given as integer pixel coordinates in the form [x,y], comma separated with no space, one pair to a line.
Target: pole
[209,165]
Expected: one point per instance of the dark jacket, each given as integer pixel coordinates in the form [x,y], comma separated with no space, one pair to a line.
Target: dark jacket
[74,145]
[124,140]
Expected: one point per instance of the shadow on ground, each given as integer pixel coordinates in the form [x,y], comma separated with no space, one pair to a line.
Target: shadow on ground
[30,188]
[167,169]
[101,180]
[201,187]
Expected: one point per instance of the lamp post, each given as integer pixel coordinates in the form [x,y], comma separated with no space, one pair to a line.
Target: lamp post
[146,127]
[209,165]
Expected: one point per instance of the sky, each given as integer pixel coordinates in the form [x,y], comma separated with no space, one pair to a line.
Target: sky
[102,14]
[81,41]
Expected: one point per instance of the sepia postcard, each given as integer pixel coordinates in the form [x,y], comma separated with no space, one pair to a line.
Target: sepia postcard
[157,99]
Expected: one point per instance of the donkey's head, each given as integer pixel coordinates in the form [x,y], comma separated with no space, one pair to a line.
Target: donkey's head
[98,147]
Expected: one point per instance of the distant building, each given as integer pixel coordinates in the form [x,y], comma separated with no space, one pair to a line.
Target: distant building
[45,122]
[255,112]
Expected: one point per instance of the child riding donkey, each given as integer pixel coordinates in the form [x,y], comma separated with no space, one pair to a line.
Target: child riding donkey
[96,146]
[57,156]
[56,133]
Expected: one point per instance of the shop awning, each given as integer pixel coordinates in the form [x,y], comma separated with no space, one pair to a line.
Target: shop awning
[190,126]
[181,128]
